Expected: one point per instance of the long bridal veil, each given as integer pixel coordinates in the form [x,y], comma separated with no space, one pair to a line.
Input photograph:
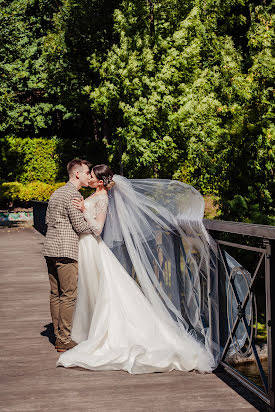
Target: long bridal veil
[155,228]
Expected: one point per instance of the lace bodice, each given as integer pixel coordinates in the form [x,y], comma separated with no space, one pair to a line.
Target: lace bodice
[96,210]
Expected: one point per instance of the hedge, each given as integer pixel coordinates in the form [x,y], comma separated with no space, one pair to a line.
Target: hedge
[28,160]
[31,191]
[16,191]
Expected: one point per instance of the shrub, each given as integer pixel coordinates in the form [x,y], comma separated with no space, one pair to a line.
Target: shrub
[38,191]
[10,191]
[18,192]
[28,160]
[15,191]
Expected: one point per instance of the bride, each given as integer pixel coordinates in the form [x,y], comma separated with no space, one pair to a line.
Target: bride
[140,304]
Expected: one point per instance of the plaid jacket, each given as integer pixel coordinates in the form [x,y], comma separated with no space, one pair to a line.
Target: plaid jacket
[65,223]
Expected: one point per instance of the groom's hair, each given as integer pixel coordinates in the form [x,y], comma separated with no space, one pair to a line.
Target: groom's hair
[76,162]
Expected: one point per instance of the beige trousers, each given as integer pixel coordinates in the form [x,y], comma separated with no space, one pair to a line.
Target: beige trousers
[63,274]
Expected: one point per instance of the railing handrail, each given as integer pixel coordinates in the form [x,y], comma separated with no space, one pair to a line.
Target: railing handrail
[249,229]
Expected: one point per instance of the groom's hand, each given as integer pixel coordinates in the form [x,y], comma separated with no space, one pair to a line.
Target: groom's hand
[79,204]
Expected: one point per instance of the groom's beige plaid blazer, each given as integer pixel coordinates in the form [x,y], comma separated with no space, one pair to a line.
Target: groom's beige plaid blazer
[65,223]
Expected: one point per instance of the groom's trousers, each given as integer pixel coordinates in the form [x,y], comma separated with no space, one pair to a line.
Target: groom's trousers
[63,274]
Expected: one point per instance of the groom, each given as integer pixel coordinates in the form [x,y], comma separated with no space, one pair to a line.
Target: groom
[60,249]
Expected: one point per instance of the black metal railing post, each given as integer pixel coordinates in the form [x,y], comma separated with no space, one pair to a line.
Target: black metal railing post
[212,294]
[270,314]
[39,214]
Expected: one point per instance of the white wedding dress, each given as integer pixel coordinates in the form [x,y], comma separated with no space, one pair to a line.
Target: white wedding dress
[115,326]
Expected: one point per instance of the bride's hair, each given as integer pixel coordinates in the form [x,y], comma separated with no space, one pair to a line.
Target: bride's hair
[104,172]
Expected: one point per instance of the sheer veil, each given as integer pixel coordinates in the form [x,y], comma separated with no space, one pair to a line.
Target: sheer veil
[155,228]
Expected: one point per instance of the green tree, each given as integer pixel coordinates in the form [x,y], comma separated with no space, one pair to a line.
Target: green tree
[185,96]
[25,108]
[44,52]
[79,28]
[164,88]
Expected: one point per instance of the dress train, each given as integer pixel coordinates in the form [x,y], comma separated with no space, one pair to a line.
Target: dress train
[116,327]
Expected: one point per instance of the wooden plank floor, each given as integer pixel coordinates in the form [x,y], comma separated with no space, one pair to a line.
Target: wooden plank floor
[31,382]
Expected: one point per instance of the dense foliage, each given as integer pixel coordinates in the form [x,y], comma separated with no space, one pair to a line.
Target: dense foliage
[158,88]
[15,191]
[25,106]
[26,160]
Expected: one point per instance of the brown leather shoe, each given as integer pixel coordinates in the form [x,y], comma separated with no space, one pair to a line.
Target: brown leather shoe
[63,347]
[57,343]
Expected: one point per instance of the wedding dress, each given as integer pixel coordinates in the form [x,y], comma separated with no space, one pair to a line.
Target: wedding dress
[117,324]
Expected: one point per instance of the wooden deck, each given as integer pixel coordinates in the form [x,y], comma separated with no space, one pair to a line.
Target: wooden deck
[31,382]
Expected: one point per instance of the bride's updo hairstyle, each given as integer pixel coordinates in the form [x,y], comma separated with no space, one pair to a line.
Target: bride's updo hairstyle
[103,172]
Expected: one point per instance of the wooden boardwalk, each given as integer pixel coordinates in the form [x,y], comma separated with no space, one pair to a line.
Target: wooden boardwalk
[31,382]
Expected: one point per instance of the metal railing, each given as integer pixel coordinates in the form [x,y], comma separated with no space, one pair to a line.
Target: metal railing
[258,240]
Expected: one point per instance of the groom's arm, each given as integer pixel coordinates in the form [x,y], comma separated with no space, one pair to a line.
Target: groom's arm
[79,224]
